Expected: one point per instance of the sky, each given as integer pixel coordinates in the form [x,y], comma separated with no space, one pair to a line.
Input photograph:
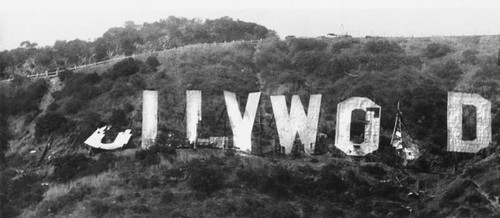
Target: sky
[45,21]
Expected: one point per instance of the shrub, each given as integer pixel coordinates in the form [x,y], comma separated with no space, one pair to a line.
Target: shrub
[137,81]
[118,119]
[147,157]
[18,192]
[77,81]
[53,206]
[48,123]
[103,163]
[469,56]
[67,167]
[140,209]
[306,44]
[66,74]
[123,68]
[337,47]
[329,180]
[436,50]
[28,98]
[72,105]
[98,208]
[382,46]
[150,156]
[4,138]
[450,72]
[153,62]
[206,177]
[374,170]
[120,89]
[52,107]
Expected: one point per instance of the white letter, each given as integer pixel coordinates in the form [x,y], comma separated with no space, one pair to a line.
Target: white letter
[456,101]
[242,126]
[372,127]
[193,114]
[149,118]
[289,125]
[95,139]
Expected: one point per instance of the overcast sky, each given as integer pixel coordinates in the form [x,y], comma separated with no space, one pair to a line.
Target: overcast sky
[44,21]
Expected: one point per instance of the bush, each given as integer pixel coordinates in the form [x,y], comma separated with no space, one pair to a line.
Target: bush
[123,68]
[118,119]
[98,208]
[4,138]
[469,56]
[206,177]
[436,50]
[49,123]
[337,47]
[53,206]
[18,192]
[382,46]
[306,44]
[72,106]
[450,72]
[69,166]
[137,81]
[52,107]
[77,81]
[28,98]
[153,62]
[149,157]
[66,74]
[120,89]
[374,170]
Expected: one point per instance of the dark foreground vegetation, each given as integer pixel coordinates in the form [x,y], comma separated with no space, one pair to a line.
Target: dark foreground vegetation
[48,171]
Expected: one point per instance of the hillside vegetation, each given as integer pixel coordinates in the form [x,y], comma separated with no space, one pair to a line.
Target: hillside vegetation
[42,136]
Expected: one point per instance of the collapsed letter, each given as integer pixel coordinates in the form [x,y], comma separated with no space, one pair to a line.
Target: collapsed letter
[297,121]
[149,118]
[242,126]
[95,139]
[193,114]
[456,101]
[372,126]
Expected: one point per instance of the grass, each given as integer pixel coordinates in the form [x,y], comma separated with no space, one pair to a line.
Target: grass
[98,181]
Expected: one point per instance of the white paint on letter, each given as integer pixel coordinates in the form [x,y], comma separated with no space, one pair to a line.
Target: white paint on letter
[242,125]
[95,139]
[343,129]
[193,114]
[297,121]
[456,101]
[149,118]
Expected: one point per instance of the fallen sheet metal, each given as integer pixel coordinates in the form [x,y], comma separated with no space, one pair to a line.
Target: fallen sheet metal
[343,128]
[297,121]
[219,141]
[149,118]
[242,125]
[95,139]
[456,101]
[193,114]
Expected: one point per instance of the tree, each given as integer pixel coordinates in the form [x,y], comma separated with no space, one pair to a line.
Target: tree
[436,50]
[28,44]
[4,138]
[45,57]
[6,60]
[72,52]
[101,49]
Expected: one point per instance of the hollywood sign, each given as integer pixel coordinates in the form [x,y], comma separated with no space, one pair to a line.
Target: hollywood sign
[297,121]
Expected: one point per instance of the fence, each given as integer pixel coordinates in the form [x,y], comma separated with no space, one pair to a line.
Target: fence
[55,73]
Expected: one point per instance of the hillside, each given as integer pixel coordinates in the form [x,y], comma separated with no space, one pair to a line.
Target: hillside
[49,172]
